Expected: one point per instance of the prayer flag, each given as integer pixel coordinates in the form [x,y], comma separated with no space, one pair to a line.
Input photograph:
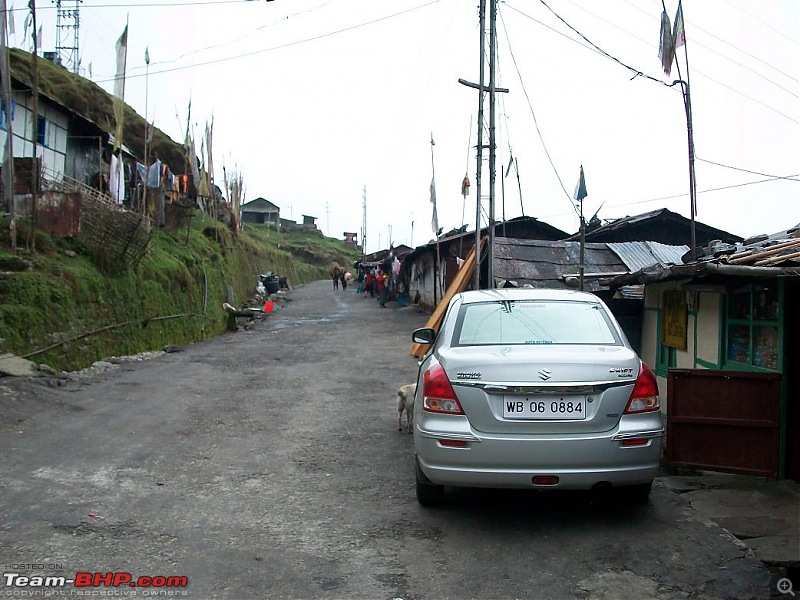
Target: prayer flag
[122,57]
[580,189]
[666,51]
[434,217]
[678,34]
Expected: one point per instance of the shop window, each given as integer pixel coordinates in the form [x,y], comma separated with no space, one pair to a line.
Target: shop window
[753,327]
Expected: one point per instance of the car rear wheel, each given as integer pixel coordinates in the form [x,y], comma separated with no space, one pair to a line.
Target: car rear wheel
[428,494]
[638,494]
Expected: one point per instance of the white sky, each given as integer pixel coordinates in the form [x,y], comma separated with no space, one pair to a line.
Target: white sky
[314,100]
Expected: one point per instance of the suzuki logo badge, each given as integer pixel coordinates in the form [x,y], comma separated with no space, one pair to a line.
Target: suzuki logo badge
[545,374]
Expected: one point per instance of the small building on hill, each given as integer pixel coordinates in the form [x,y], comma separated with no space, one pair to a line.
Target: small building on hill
[262,212]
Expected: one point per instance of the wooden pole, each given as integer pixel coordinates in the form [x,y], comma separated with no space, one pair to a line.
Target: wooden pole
[8,163]
[476,283]
[492,138]
[582,266]
[34,130]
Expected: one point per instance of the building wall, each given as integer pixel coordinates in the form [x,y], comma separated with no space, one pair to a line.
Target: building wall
[650,325]
[702,332]
[53,152]
[421,280]
[708,333]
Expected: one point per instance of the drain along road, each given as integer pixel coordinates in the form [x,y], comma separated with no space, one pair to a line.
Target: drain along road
[267,464]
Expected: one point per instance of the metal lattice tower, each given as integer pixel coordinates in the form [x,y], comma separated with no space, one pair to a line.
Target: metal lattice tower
[67,34]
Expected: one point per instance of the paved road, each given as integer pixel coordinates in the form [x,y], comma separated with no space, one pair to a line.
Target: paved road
[267,464]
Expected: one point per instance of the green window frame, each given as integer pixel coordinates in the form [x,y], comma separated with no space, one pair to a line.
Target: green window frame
[753,332]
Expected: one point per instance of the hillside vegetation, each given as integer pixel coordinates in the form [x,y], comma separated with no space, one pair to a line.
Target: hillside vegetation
[58,307]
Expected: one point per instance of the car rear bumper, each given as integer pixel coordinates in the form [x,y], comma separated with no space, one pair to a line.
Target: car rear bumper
[579,461]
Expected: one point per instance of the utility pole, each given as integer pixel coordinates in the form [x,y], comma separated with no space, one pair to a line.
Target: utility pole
[364,226]
[67,20]
[492,149]
[492,89]
[476,283]
[147,128]
[34,129]
[8,162]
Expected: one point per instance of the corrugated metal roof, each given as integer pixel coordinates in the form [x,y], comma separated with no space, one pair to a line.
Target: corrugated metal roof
[641,255]
[544,264]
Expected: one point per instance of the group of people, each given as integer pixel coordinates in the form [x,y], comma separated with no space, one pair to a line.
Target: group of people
[339,275]
[373,282]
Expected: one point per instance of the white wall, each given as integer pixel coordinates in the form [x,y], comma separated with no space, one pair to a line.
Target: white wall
[53,153]
[708,328]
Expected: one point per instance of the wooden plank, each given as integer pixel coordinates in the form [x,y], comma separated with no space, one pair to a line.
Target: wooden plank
[459,284]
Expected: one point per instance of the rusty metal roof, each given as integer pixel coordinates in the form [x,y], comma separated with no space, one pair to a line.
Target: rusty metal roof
[547,264]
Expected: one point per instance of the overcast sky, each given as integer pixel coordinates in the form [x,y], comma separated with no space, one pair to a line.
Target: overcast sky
[314,101]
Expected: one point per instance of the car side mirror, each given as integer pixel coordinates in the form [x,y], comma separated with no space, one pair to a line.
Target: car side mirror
[424,335]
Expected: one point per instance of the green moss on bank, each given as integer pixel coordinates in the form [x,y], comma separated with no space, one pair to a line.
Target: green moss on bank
[173,296]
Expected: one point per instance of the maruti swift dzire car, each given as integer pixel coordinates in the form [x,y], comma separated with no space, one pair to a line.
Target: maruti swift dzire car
[533,388]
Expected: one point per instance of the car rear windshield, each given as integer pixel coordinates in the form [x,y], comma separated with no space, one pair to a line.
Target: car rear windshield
[533,322]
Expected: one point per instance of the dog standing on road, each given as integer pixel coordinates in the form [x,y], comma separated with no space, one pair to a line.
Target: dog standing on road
[405,402]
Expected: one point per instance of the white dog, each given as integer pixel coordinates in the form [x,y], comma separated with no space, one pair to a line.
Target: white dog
[405,402]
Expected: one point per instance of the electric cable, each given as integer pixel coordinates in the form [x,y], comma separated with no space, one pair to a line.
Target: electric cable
[533,114]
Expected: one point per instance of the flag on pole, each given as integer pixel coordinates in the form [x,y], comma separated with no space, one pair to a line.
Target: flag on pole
[147,55]
[39,38]
[678,34]
[434,217]
[10,14]
[122,57]
[119,87]
[580,189]
[465,186]
[666,51]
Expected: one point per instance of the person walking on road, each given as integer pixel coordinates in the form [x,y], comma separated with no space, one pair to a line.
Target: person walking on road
[380,282]
[369,284]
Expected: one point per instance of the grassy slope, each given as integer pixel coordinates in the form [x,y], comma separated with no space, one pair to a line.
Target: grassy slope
[62,298]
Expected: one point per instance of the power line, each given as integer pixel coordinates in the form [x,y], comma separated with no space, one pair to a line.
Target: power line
[674,196]
[711,162]
[763,22]
[717,189]
[533,114]
[273,48]
[694,42]
[640,73]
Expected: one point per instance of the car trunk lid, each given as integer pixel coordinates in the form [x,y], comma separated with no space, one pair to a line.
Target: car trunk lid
[558,389]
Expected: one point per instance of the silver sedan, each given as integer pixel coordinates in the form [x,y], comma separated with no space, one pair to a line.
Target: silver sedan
[532,388]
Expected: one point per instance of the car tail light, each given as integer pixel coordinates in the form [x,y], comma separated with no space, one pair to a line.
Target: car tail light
[438,395]
[632,442]
[644,397]
[453,443]
[544,480]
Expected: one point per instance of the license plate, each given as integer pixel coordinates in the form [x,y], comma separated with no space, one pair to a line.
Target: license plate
[544,407]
